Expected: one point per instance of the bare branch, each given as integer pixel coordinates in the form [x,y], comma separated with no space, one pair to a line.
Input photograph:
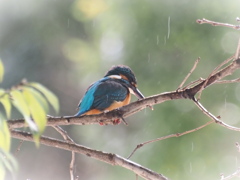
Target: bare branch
[228,81]
[206,112]
[191,84]
[235,174]
[71,166]
[213,72]
[213,23]
[19,147]
[238,146]
[68,139]
[109,158]
[168,136]
[191,71]
[237,54]
[64,134]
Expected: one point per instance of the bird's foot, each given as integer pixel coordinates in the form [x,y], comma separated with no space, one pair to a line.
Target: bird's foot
[101,123]
[116,121]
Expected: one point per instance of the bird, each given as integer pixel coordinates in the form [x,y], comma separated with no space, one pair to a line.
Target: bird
[110,92]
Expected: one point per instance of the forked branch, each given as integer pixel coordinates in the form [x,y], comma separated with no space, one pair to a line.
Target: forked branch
[125,111]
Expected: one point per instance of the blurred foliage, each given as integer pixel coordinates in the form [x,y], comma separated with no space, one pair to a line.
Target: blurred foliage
[7,162]
[67,45]
[30,100]
[1,71]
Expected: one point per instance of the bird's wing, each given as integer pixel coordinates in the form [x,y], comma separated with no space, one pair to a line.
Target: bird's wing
[101,94]
[108,92]
[86,102]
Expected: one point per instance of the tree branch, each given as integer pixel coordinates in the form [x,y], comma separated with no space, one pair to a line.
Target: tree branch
[217,120]
[168,136]
[235,174]
[213,72]
[213,23]
[67,138]
[109,158]
[125,111]
[191,71]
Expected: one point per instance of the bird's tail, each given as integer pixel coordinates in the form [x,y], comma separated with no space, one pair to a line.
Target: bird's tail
[75,115]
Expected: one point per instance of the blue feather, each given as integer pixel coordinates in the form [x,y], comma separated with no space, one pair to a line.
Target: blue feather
[108,92]
[87,101]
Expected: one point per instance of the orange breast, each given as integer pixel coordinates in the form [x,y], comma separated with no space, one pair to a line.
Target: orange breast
[93,111]
[117,104]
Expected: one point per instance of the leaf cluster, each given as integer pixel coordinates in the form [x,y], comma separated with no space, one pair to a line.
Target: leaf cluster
[32,100]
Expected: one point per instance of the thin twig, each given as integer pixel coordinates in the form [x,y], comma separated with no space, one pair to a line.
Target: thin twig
[228,81]
[212,73]
[213,23]
[69,140]
[168,136]
[64,134]
[71,166]
[206,112]
[225,62]
[235,174]
[237,146]
[193,83]
[124,121]
[19,147]
[136,177]
[191,71]
[237,54]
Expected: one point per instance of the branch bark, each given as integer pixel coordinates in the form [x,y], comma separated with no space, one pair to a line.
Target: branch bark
[109,158]
[213,23]
[68,139]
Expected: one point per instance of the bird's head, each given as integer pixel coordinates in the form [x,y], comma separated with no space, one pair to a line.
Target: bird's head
[126,74]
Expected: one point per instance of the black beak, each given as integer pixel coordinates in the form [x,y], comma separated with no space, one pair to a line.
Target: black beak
[137,93]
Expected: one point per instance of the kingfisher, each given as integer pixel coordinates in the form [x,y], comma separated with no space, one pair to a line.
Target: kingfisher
[111,92]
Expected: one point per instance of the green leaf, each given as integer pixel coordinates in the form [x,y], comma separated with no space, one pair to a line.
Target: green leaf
[36,138]
[52,98]
[21,105]
[1,70]
[36,110]
[5,137]
[2,91]
[6,102]
[39,96]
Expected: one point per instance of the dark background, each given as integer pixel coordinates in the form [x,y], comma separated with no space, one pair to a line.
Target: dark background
[67,45]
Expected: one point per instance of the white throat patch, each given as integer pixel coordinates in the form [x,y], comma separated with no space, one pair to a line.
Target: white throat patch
[131,91]
[115,77]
